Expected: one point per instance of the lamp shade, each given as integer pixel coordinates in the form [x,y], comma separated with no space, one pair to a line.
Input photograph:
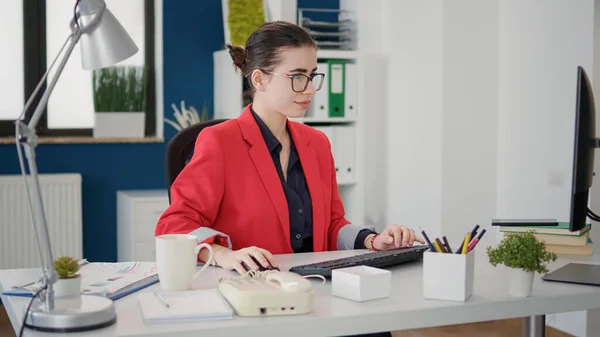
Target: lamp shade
[105,43]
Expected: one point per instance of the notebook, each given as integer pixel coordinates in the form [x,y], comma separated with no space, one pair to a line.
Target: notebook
[111,280]
[184,306]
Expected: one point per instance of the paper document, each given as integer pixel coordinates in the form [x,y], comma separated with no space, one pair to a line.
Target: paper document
[112,280]
[190,305]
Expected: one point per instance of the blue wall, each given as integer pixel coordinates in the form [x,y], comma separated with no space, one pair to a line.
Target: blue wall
[106,169]
[192,30]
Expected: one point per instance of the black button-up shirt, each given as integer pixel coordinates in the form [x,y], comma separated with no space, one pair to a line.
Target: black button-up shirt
[296,193]
[295,189]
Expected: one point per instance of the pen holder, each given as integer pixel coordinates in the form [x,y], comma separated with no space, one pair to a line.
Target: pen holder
[448,276]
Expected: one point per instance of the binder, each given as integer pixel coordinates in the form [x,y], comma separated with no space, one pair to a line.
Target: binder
[351,90]
[319,107]
[346,136]
[339,152]
[329,132]
[350,153]
[337,83]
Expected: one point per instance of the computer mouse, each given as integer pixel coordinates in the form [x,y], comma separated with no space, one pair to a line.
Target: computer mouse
[260,266]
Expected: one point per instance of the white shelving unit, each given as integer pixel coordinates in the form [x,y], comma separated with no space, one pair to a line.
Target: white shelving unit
[369,105]
[228,103]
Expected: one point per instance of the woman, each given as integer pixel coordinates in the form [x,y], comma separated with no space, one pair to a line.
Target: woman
[260,184]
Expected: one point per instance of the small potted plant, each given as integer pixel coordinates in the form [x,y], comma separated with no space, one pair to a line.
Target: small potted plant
[187,116]
[523,255]
[69,282]
[120,101]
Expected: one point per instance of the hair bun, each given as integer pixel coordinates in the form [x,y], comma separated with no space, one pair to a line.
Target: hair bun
[238,54]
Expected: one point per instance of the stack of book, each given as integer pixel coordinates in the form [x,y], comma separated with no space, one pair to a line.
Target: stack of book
[559,239]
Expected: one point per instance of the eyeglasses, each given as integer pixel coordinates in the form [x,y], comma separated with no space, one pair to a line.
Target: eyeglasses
[300,81]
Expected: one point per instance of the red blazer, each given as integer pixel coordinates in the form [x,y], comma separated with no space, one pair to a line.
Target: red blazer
[231,188]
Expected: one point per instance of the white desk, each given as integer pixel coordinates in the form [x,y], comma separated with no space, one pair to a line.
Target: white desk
[332,316]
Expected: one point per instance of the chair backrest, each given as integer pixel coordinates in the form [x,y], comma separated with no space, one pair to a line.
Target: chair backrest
[180,149]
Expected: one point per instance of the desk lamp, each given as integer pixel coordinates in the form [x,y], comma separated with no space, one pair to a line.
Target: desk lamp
[104,42]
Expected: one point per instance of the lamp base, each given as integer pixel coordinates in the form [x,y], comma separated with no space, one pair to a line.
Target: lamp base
[72,314]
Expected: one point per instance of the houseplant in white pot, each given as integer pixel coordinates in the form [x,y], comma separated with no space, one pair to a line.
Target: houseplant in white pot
[120,101]
[523,255]
[69,282]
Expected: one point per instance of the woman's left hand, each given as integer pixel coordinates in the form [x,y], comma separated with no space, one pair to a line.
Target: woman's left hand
[394,237]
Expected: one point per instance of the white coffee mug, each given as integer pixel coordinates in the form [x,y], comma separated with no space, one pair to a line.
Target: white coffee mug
[176,258]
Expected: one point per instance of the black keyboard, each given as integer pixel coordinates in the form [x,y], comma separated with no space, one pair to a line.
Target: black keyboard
[380,259]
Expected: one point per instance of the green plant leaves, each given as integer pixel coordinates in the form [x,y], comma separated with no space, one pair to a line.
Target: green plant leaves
[244,17]
[66,267]
[120,89]
[521,250]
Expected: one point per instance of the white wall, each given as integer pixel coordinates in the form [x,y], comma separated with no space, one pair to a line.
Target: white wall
[481,106]
[595,192]
[374,101]
[469,115]
[442,114]
[412,41]
[541,45]
[481,99]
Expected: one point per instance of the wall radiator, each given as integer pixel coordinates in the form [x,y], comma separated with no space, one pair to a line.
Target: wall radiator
[61,194]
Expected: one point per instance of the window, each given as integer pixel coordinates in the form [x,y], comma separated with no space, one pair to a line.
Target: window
[70,110]
[11,64]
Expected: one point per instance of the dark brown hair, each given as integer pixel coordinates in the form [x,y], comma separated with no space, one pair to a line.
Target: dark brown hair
[263,47]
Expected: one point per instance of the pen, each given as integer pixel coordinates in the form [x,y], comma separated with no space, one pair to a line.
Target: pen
[161,300]
[433,249]
[474,232]
[475,241]
[439,244]
[438,247]
[466,243]
[447,245]
[459,249]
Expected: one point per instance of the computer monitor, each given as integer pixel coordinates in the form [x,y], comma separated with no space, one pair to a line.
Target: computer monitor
[583,154]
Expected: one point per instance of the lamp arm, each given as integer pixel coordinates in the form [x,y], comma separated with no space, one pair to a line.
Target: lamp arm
[27,133]
[39,110]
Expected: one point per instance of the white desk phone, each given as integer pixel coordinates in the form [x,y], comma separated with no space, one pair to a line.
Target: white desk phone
[268,292]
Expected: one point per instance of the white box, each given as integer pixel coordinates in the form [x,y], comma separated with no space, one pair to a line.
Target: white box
[448,276]
[361,283]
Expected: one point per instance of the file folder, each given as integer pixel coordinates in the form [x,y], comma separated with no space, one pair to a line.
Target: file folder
[351,90]
[345,150]
[329,132]
[337,82]
[319,107]
[349,150]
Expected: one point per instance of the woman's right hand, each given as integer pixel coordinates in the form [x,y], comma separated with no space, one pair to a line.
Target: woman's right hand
[232,259]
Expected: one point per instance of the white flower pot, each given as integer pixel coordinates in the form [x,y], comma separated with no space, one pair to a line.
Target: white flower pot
[520,282]
[67,287]
[119,124]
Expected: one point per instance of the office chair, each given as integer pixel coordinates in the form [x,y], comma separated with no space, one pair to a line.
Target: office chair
[180,148]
